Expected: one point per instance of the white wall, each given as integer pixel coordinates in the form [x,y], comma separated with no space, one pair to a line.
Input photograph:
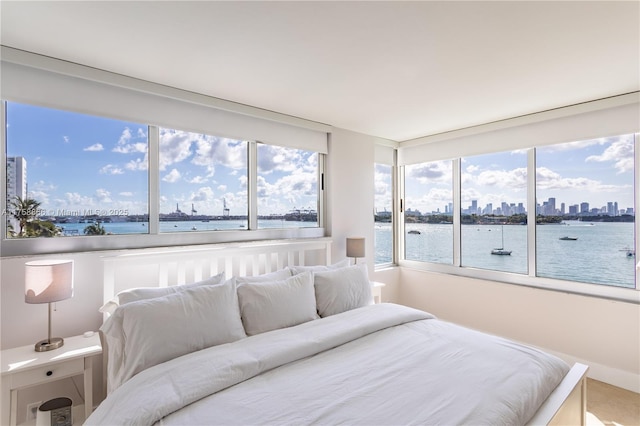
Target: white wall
[604,334]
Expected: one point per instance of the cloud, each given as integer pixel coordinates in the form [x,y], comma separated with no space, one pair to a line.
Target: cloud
[273,158]
[204,194]
[125,144]
[175,146]
[139,164]
[514,179]
[111,169]
[126,194]
[435,171]
[211,151]
[620,153]
[65,139]
[548,179]
[172,176]
[198,180]
[103,196]
[94,148]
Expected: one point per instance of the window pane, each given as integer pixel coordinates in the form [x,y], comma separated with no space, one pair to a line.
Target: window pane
[203,182]
[493,212]
[428,215]
[383,214]
[75,174]
[287,187]
[585,227]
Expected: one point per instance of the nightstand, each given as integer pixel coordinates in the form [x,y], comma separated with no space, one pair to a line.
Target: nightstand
[23,367]
[376,291]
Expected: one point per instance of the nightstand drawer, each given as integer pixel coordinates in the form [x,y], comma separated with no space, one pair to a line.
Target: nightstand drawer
[46,373]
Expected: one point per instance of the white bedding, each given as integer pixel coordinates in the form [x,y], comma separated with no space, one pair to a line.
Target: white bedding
[381,364]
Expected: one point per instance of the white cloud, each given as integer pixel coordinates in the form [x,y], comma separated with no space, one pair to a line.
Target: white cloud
[137,164]
[103,196]
[126,194]
[198,180]
[126,146]
[111,169]
[620,153]
[94,148]
[548,179]
[435,171]
[65,139]
[172,176]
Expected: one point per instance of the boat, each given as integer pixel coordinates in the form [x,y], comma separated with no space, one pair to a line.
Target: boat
[568,238]
[629,252]
[501,251]
[414,232]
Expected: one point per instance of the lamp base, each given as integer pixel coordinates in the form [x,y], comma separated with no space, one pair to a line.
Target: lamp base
[49,344]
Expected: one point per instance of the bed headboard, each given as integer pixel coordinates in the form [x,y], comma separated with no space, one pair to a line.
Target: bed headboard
[160,267]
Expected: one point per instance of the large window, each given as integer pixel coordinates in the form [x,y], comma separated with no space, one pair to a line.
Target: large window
[383,215]
[583,217]
[72,174]
[493,210]
[203,182]
[585,192]
[428,212]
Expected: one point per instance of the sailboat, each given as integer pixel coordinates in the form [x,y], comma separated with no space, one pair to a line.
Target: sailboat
[501,251]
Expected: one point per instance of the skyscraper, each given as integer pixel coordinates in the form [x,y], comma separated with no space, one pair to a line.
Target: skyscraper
[16,184]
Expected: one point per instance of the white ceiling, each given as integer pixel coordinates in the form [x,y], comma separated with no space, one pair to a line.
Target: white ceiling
[397,70]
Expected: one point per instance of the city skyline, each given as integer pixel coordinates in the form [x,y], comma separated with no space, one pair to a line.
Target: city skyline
[597,171]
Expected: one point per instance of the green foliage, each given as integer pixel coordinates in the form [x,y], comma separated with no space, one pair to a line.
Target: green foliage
[94,229]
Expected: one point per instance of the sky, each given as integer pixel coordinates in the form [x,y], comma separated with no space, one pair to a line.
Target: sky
[78,162]
[595,171]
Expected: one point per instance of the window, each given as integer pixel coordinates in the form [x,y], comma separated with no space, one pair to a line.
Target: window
[585,230]
[383,215]
[493,210]
[428,212]
[71,174]
[203,182]
[77,175]
[287,187]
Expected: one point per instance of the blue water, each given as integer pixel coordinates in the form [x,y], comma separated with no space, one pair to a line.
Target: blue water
[598,255]
[114,228]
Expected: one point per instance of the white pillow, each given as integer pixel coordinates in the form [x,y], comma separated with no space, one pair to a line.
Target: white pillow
[342,289]
[281,274]
[162,328]
[267,306]
[141,293]
[320,268]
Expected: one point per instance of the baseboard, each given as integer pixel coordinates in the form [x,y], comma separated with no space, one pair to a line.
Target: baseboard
[604,373]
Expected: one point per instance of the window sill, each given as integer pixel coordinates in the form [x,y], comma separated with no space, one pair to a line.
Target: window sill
[628,295]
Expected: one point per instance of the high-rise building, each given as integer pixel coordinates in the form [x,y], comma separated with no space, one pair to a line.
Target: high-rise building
[584,207]
[16,184]
[16,178]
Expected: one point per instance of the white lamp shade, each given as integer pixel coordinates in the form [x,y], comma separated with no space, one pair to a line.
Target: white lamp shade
[355,247]
[47,281]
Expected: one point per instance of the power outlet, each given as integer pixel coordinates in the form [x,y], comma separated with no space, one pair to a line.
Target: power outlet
[32,410]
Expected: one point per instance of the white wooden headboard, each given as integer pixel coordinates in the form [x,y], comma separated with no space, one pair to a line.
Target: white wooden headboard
[182,265]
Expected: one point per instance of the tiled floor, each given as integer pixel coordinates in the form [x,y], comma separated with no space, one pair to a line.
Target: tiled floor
[611,406]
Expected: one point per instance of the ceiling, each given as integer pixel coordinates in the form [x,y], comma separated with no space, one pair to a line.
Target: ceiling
[396,70]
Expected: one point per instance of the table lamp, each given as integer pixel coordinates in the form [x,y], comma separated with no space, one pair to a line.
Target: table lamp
[355,248]
[47,281]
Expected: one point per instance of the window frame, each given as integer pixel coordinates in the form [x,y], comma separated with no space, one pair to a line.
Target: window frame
[44,245]
[530,279]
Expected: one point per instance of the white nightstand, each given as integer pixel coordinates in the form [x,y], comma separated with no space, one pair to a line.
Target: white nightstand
[23,367]
[376,290]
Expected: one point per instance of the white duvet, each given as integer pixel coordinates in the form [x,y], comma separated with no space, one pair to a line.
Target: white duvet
[382,364]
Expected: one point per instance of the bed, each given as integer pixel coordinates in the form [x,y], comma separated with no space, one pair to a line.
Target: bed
[251,334]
